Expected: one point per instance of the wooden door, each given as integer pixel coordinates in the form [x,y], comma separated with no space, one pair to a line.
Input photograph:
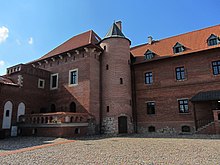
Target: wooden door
[122,124]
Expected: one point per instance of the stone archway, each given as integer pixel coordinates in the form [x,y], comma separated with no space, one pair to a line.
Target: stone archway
[6,124]
[122,124]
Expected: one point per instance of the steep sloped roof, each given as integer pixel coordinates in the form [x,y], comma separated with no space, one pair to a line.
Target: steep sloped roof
[83,39]
[193,41]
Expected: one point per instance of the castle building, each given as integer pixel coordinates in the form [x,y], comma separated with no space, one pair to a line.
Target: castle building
[89,85]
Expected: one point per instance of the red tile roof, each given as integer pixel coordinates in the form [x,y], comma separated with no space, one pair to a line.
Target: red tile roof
[192,41]
[83,39]
[7,81]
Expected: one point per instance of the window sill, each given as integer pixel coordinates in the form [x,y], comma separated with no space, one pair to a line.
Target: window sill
[181,80]
[72,85]
[53,88]
[151,114]
[186,113]
[148,84]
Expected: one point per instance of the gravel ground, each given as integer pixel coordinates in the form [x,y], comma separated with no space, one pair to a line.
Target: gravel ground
[135,149]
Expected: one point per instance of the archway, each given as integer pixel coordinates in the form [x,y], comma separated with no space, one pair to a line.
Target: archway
[6,124]
[73,107]
[122,124]
[21,110]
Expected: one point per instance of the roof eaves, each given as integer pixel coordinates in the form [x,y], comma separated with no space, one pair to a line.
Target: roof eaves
[174,55]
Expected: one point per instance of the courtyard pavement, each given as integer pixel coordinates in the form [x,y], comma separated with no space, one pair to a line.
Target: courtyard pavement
[123,150]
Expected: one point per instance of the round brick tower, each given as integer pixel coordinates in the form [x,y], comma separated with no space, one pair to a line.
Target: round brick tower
[116,91]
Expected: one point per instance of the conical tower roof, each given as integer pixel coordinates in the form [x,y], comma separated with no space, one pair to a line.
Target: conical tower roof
[115,32]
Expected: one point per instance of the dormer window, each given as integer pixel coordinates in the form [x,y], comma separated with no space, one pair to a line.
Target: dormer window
[149,55]
[213,40]
[178,48]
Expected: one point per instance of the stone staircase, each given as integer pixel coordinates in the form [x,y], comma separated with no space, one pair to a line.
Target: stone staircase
[207,129]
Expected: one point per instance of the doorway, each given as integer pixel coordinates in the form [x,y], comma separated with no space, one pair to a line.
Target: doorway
[122,124]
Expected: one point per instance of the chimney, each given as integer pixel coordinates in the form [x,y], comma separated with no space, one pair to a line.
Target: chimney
[118,23]
[150,40]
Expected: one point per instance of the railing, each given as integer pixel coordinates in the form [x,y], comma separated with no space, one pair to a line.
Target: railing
[53,118]
[201,123]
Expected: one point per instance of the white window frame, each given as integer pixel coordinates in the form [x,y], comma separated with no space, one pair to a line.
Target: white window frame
[41,80]
[77,73]
[55,74]
[179,105]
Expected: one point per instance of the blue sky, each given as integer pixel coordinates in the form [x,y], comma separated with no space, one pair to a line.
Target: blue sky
[31,28]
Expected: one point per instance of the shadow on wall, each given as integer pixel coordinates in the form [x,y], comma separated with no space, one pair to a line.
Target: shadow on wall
[63,100]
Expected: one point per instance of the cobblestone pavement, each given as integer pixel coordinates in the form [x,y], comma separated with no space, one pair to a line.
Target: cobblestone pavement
[133,149]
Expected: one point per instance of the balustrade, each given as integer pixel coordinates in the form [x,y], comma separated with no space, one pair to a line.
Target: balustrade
[52,118]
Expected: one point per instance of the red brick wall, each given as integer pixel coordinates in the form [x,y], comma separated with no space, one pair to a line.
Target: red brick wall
[115,95]
[86,93]
[33,97]
[165,89]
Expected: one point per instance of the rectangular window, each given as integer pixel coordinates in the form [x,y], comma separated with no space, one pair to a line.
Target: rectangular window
[150,107]
[54,81]
[183,106]
[216,67]
[121,81]
[7,113]
[73,77]
[212,42]
[41,83]
[180,73]
[148,78]
[178,49]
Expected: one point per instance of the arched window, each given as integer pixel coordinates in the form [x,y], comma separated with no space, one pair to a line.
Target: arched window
[21,110]
[151,129]
[73,107]
[185,128]
[52,108]
[219,116]
[6,123]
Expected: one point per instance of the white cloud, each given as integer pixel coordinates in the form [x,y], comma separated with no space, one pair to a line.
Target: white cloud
[30,41]
[2,63]
[3,33]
